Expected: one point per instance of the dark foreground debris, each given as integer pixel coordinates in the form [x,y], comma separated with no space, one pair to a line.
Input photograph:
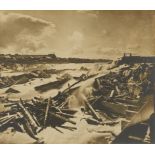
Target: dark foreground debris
[32,116]
[118,94]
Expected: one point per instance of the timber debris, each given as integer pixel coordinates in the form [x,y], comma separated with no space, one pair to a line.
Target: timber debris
[118,94]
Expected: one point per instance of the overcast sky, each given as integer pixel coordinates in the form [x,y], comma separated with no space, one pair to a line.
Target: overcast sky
[92,34]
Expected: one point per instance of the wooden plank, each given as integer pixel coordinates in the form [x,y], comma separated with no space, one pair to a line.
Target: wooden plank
[47,110]
[95,115]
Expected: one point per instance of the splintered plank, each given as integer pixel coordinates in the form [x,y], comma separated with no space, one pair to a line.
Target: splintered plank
[47,110]
[95,115]
[51,85]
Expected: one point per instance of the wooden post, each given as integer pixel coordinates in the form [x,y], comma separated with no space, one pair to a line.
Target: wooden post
[92,111]
[112,93]
[47,110]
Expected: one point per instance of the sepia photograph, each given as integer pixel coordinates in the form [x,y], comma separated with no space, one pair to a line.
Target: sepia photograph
[77,77]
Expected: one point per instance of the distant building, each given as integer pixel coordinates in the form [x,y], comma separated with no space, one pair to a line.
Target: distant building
[128,58]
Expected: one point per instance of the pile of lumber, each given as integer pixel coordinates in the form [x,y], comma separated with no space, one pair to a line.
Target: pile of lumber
[33,116]
[112,92]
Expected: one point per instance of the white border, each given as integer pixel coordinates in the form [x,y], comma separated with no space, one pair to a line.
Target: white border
[77,4]
[72,149]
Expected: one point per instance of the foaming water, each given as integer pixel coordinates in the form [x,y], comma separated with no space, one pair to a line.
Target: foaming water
[80,96]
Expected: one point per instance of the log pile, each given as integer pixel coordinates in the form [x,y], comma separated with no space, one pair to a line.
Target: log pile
[121,93]
[33,116]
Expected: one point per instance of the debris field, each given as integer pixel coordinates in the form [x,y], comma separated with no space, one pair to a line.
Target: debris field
[116,96]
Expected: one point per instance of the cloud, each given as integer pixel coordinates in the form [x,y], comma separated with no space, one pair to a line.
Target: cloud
[93,34]
[76,40]
[23,33]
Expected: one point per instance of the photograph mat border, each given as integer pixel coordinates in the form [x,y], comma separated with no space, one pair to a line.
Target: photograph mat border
[77,5]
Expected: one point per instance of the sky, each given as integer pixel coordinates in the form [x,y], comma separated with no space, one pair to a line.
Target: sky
[85,34]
